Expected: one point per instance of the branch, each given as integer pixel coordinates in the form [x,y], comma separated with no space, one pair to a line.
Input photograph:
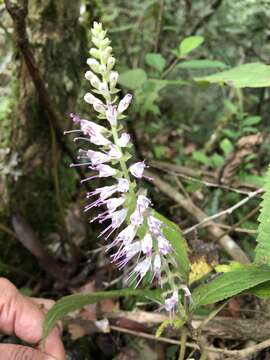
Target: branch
[225,241]
[230,210]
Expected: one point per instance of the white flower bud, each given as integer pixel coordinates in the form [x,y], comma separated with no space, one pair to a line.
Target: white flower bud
[99,107]
[104,43]
[103,88]
[95,82]
[113,78]
[91,99]
[105,54]
[89,75]
[124,103]
[94,64]
[94,52]
[102,69]
[110,62]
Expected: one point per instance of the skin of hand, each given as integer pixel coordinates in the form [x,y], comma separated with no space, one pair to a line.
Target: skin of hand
[24,316]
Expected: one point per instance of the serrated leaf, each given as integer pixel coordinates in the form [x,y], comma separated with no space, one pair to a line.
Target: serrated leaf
[230,284]
[133,79]
[262,250]
[155,60]
[190,43]
[201,64]
[77,301]
[174,235]
[247,75]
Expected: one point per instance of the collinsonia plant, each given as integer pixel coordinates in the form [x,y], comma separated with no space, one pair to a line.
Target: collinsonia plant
[138,241]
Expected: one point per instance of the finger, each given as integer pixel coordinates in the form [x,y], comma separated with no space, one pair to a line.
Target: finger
[19,352]
[43,304]
[21,316]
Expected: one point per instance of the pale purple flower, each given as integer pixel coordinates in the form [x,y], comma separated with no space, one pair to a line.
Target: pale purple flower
[113,203]
[97,157]
[111,115]
[154,225]
[124,103]
[123,185]
[123,140]
[91,128]
[105,170]
[147,244]
[117,219]
[137,169]
[115,153]
[99,139]
[126,236]
[157,266]
[164,246]
[143,203]
[141,269]
[172,302]
[126,253]
[136,218]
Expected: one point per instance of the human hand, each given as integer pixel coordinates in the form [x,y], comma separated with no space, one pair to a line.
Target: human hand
[23,316]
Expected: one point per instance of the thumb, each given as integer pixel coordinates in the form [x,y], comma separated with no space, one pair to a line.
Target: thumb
[19,352]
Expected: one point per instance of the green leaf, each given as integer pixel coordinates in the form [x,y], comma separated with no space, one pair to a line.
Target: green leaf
[230,284]
[133,79]
[262,250]
[252,120]
[77,301]
[247,75]
[155,60]
[201,157]
[201,64]
[189,44]
[261,290]
[226,146]
[175,237]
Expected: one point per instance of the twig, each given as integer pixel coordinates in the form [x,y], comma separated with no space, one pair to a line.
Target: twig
[28,238]
[226,242]
[204,182]
[228,211]
[238,354]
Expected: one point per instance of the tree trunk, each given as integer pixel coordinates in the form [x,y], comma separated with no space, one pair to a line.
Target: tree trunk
[38,184]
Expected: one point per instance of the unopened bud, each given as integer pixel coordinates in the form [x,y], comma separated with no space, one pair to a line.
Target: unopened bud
[111,62]
[102,69]
[95,82]
[89,75]
[113,78]
[124,103]
[103,88]
[104,43]
[111,115]
[99,107]
[94,64]
[94,52]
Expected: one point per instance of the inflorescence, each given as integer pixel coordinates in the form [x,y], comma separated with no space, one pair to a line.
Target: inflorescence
[141,242]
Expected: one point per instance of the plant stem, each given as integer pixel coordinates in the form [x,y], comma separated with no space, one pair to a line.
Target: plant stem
[183,341]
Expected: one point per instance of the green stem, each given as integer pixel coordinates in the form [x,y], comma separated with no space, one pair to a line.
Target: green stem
[183,341]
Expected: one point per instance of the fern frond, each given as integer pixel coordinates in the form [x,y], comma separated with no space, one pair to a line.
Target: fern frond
[262,250]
